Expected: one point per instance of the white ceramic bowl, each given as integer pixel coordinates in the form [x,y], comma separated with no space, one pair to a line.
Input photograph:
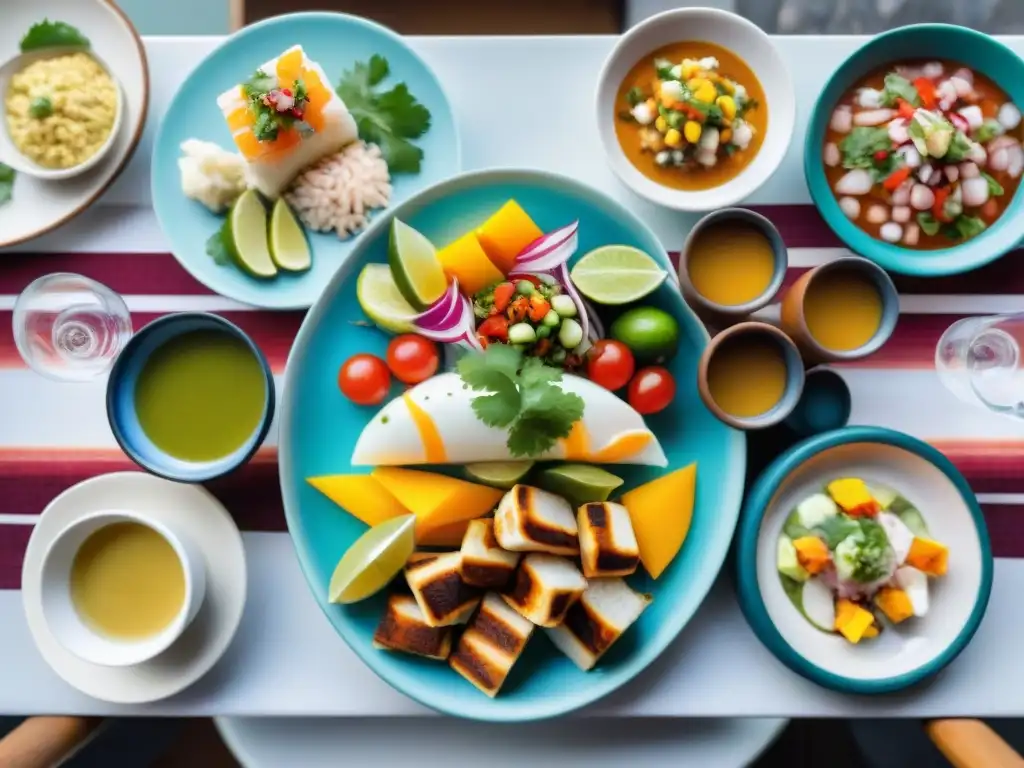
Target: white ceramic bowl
[79,638]
[13,157]
[729,31]
[904,654]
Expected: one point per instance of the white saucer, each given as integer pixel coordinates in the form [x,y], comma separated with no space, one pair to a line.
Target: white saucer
[194,512]
[38,206]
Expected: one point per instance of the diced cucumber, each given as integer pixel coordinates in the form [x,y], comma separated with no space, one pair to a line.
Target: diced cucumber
[793,528]
[914,520]
[794,591]
[819,605]
[815,510]
[837,528]
[883,494]
[899,505]
[787,562]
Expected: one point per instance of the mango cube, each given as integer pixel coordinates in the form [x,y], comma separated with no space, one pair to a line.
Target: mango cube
[660,512]
[853,621]
[928,556]
[506,234]
[465,261]
[853,497]
[811,553]
[895,604]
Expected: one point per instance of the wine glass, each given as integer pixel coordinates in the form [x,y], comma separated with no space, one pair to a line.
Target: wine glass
[69,327]
[978,359]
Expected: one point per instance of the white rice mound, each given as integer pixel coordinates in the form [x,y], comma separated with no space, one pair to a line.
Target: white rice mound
[339,191]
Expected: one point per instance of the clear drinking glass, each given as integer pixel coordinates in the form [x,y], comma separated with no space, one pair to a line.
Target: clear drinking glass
[979,360]
[70,328]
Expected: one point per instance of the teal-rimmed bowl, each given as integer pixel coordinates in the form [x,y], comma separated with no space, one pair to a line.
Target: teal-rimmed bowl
[919,647]
[319,428]
[965,46]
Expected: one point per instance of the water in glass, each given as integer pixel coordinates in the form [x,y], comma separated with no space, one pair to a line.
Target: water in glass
[978,359]
[69,327]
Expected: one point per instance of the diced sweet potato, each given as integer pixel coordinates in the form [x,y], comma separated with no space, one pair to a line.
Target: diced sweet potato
[853,621]
[895,604]
[811,553]
[928,556]
[853,497]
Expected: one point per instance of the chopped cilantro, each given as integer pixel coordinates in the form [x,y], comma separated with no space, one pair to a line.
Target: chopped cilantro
[52,34]
[898,87]
[40,107]
[634,96]
[523,397]
[259,84]
[959,148]
[663,69]
[964,227]
[266,127]
[216,249]
[995,189]
[7,175]
[988,131]
[299,91]
[859,148]
[388,119]
[928,223]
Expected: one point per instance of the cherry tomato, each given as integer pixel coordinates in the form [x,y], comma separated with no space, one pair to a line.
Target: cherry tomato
[364,379]
[412,358]
[652,389]
[610,364]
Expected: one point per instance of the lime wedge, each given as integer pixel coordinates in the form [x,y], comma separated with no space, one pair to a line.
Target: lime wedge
[616,274]
[499,474]
[287,240]
[245,235]
[414,264]
[579,484]
[373,560]
[381,300]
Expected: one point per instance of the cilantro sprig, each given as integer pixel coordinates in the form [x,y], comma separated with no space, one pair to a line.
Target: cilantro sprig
[7,175]
[523,397]
[52,34]
[388,119]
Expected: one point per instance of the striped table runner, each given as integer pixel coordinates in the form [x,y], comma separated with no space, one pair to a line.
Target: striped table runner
[53,435]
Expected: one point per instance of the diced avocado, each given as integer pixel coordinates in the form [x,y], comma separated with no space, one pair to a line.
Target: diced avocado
[815,510]
[914,521]
[837,528]
[787,562]
[898,505]
[883,494]
[793,527]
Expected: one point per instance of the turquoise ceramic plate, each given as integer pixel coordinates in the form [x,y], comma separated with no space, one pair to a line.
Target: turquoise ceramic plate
[319,428]
[901,655]
[920,41]
[336,41]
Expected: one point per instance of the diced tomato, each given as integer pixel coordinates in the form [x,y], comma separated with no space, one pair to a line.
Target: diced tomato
[990,210]
[503,294]
[494,327]
[881,155]
[539,307]
[897,177]
[938,209]
[518,309]
[906,109]
[926,90]
[989,108]
[483,341]
[542,347]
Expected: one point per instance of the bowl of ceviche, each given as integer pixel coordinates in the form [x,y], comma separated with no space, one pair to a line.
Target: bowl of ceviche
[695,108]
[863,561]
[914,159]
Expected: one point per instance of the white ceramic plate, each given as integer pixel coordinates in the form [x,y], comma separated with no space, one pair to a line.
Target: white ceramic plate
[430,742]
[730,31]
[39,206]
[188,509]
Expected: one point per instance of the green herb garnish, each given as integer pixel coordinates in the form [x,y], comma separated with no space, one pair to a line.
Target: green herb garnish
[898,87]
[865,554]
[964,227]
[634,96]
[663,69]
[387,119]
[995,189]
[988,131]
[861,144]
[959,147]
[216,248]
[7,175]
[523,397]
[52,34]
[928,223]
[40,107]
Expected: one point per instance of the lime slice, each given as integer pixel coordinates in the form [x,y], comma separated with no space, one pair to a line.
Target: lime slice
[414,264]
[499,474]
[287,240]
[245,235]
[579,484]
[373,560]
[381,300]
[616,274]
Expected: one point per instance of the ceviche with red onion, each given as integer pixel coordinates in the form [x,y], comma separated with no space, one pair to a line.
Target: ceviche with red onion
[924,155]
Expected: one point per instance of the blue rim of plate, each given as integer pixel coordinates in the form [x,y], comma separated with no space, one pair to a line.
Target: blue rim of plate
[747,534]
[997,241]
[729,499]
[159,180]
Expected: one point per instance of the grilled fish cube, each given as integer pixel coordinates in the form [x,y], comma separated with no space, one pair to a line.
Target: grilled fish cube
[484,563]
[437,585]
[491,645]
[531,520]
[544,587]
[404,628]
[607,542]
[607,609]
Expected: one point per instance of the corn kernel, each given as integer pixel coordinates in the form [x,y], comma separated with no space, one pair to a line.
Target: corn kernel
[727,85]
[673,138]
[689,69]
[728,106]
[692,131]
[652,105]
[725,136]
[661,124]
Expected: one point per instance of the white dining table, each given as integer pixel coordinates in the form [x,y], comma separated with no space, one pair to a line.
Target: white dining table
[520,102]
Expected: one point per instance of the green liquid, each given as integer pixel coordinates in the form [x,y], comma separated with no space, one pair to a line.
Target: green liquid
[201,396]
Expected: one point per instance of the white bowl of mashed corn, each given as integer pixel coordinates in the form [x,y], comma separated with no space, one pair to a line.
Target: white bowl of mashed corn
[62,108]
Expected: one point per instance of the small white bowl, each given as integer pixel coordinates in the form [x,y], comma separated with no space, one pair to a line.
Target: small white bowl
[62,618]
[729,31]
[12,156]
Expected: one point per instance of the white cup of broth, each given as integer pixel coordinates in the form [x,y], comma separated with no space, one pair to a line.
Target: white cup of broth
[733,263]
[119,588]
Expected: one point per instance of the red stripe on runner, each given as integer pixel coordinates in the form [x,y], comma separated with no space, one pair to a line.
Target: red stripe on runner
[126,273]
[13,543]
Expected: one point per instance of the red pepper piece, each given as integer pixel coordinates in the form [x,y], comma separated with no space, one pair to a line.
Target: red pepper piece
[906,109]
[897,177]
[503,294]
[494,327]
[926,90]
[939,208]
[518,309]
[539,307]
